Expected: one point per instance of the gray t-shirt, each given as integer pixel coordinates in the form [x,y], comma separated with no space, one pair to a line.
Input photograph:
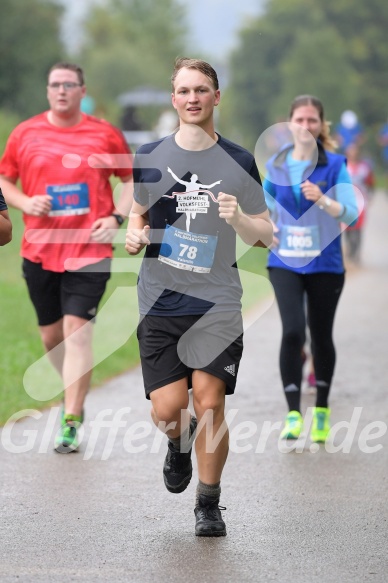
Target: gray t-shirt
[3,205]
[190,265]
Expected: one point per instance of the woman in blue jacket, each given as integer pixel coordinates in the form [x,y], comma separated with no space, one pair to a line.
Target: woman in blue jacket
[310,197]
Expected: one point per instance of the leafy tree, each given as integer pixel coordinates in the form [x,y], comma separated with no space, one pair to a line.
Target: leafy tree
[131,43]
[308,69]
[29,45]
[363,26]
[8,120]
[334,49]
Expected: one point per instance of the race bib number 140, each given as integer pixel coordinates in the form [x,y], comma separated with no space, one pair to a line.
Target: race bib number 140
[69,199]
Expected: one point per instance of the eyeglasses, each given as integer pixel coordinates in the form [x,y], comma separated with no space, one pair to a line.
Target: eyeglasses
[67,85]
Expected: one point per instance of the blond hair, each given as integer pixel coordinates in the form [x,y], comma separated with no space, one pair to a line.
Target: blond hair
[327,140]
[199,65]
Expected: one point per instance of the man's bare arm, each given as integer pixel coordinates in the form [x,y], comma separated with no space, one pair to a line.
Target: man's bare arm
[137,236]
[255,230]
[37,206]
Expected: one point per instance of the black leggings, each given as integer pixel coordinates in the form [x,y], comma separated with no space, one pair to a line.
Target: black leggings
[320,292]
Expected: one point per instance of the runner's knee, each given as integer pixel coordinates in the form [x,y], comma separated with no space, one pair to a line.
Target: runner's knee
[51,336]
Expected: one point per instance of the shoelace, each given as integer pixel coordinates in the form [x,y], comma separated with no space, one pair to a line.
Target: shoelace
[210,511]
[321,421]
[69,429]
[178,459]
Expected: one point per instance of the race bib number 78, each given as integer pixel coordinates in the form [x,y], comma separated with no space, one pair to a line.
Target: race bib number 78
[186,250]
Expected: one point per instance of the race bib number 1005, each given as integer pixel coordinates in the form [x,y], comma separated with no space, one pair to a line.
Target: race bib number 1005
[299,241]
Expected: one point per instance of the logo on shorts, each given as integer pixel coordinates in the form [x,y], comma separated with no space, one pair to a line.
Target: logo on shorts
[92,311]
[231,369]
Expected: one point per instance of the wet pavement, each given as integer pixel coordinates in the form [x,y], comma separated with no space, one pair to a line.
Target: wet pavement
[295,511]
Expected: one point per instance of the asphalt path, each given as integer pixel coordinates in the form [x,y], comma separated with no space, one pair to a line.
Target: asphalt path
[294,512]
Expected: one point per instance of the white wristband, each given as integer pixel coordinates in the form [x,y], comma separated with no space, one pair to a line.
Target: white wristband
[326,203]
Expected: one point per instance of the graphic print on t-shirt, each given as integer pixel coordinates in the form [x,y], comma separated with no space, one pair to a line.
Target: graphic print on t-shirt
[195,199]
[183,249]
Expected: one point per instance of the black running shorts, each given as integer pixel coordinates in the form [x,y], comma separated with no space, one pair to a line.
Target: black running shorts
[172,347]
[75,293]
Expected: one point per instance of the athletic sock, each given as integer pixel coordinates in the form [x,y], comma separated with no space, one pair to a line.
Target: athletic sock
[323,390]
[211,490]
[292,394]
[181,439]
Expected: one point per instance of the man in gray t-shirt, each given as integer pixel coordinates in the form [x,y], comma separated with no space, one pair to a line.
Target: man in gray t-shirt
[192,250]
[194,192]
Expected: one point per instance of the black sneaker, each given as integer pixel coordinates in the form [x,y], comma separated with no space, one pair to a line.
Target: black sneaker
[208,519]
[177,468]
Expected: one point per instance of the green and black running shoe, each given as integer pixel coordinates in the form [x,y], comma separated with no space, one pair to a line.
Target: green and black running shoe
[66,440]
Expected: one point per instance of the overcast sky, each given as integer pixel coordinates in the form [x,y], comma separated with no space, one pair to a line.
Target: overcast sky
[213,24]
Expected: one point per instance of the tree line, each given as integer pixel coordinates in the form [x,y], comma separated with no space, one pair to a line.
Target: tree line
[334,49]
[126,44]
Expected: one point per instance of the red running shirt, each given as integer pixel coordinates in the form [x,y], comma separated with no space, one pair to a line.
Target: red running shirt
[74,166]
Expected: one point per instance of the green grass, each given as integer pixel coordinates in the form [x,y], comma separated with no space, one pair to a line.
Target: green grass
[115,344]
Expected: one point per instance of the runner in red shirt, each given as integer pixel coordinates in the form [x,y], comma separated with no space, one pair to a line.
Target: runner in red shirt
[64,160]
[362,175]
